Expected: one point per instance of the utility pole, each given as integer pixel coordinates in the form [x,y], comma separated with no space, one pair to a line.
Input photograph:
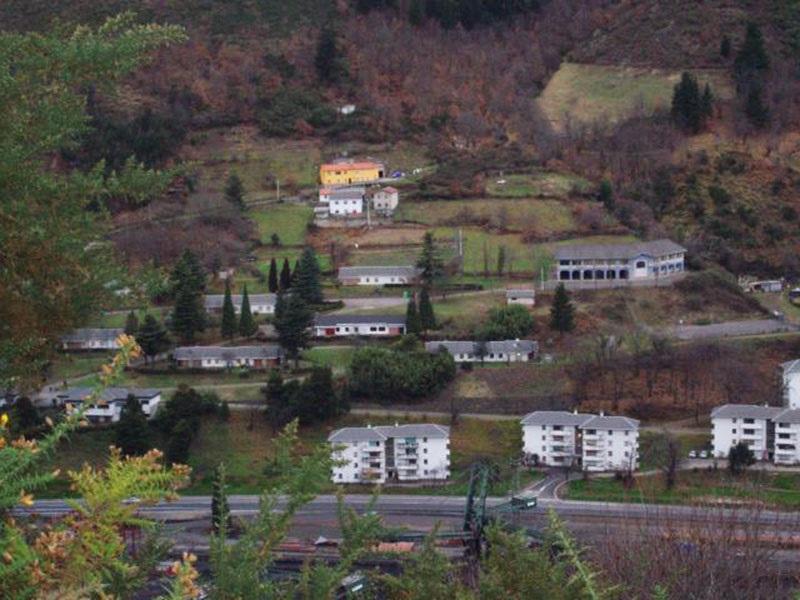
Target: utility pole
[369,220]
[278,188]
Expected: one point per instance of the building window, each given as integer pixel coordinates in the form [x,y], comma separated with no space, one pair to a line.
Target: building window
[355,465]
[424,450]
[544,438]
[627,432]
[610,453]
[640,264]
[425,439]
[425,461]
[610,432]
[340,475]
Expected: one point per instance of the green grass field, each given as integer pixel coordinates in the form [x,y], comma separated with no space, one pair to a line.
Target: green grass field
[66,366]
[538,185]
[781,490]
[588,93]
[289,221]
[338,359]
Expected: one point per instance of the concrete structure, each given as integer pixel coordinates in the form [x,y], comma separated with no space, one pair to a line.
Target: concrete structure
[91,339]
[219,357]
[751,424]
[589,442]
[346,172]
[402,275]
[523,297]
[787,437]
[347,201]
[790,373]
[385,201]
[391,453]
[350,325]
[109,405]
[260,304]
[494,352]
[641,261]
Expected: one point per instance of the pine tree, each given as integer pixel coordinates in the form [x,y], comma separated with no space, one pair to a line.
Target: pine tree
[426,314]
[228,325]
[413,321]
[416,12]
[133,432]
[606,194]
[562,313]
[188,273]
[307,283]
[286,276]
[687,105]
[755,109]
[725,47]
[273,276]
[328,61]
[152,338]
[131,324]
[429,261]
[752,59]
[293,321]
[234,191]
[295,271]
[220,510]
[247,325]
[188,316]
[707,103]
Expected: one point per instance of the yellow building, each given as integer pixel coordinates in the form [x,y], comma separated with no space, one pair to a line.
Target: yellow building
[346,173]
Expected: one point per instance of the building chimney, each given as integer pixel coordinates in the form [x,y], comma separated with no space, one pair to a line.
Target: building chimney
[574,411]
[602,413]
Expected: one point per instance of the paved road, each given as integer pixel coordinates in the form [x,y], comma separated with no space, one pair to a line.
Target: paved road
[730,329]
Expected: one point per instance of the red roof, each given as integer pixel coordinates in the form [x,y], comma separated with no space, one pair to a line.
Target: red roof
[390,189]
[349,166]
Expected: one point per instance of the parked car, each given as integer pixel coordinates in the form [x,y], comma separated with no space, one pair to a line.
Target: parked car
[703,453]
[692,453]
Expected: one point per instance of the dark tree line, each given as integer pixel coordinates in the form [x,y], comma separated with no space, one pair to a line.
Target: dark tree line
[449,13]
[691,108]
[314,400]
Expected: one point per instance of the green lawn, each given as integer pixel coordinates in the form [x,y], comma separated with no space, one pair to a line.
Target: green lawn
[780,490]
[338,359]
[67,366]
[538,185]
[289,221]
[117,318]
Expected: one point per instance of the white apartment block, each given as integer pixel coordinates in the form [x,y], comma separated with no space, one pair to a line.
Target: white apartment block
[751,424]
[787,437]
[590,442]
[346,201]
[390,453]
[790,372]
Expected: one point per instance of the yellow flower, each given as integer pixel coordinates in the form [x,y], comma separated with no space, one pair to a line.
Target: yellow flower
[3,420]
[26,499]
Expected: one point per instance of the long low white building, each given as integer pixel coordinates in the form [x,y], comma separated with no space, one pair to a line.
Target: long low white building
[108,406]
[224,357]
[92,339]
[393,275]
[584,441]
[359,325]
[492,352]
[390,453]
[260,304]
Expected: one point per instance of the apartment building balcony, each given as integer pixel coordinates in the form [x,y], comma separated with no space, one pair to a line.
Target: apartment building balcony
[400,445]
[371,473]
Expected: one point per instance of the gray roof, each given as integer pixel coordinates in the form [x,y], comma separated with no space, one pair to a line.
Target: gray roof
[333,320]
[216,300]
[616,423]
[363,434]
[399,271]
[468,347]
[520,293]
[791,366]
[88,334]
[745,411]
[346,193]
[78,395]
[555,417]
[617,251]
[226,353]
[790,415]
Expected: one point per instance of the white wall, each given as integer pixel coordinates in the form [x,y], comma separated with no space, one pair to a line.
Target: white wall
[352,454]
[787,435]
[611,450]
[432,460]
[346,207]
[381,279]
[729,432]
[553,444]
[791,390]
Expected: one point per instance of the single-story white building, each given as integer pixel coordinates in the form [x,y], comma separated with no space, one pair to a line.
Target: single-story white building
[499,351]
[523,297]
[91,339]
[354,325]
[260,304]
[402,275]
[345,201]
[222,357]
[603,262]
[109,405]
[390,453]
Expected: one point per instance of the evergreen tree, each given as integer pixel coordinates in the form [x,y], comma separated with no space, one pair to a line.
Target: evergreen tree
[234,191]
[725,47]
[131,324]
[740,457]
[307,283]
[413,321]
[152,338]
[426,315]
[224,411]
[606,194]
[188,315]
[286,276]
[416,12]
[273,276]
[295,271]
[755,110]
[247,325]
[429,261]
[316,399]
[293,321]
[220,510]
[752,60]
[328,62]
[707,103]
[562,313]
[188,273]
[278,411]
[133,432]
[688,109]
[180,441]
[228,325]
[24,417]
